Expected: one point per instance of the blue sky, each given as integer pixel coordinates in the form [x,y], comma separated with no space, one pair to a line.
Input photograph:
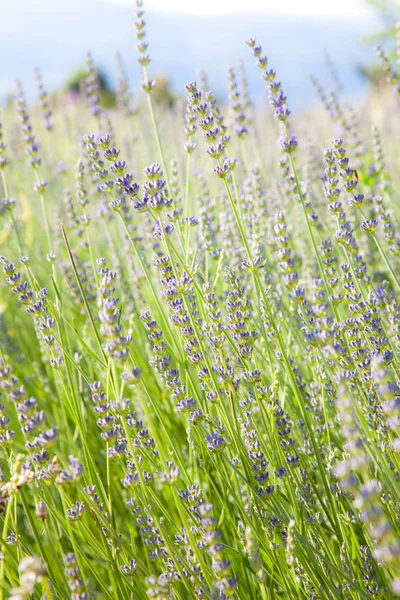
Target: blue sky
[355,8]
[184,36]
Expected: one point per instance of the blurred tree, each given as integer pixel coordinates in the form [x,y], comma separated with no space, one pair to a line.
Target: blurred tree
[162,93]
[388,9]
[388,12]
[76,84]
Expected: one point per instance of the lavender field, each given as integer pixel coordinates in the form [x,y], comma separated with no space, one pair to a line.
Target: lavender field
[200,339]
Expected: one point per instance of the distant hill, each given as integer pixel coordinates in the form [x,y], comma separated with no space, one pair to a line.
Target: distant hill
[56,34]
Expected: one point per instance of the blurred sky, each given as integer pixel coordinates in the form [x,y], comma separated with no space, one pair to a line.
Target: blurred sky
[355,8]
[184,36]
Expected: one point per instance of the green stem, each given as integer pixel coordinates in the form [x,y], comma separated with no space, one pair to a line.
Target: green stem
[4,545]
[89,312]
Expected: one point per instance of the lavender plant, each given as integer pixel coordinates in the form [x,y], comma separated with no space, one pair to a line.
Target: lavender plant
[199,345]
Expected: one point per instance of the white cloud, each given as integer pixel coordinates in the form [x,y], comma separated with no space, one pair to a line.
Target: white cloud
[345,8]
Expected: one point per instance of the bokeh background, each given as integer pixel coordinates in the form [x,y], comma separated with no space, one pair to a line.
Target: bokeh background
[188,35]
